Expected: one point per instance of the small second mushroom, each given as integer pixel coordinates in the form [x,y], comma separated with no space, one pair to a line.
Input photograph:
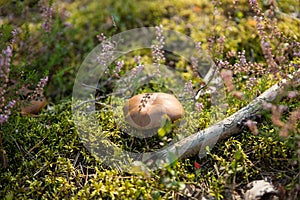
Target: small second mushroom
[32,106]
[146,111]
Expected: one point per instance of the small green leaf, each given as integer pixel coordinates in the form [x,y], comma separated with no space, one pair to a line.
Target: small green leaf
[161,132]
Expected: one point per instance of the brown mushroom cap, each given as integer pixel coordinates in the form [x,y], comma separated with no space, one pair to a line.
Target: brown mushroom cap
[146,111]
[34,106]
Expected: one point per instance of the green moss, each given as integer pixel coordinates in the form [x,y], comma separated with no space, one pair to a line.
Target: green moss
[46,156]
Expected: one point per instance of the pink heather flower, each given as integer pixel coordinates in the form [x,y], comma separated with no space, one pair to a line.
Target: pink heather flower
[242,58]
[194,63]
[7,111]
[5,62]
[276,116]
[291,123]
[282,108]
[157,48]
[139,66]
[251,82]
[107,48]
[230,54]
[223,64]
[221,39]
[198,46]
[119,65]
[137,70]
[43,82]
[39,90]
[137,59]
[292,94]
[188,90]
[267,106]
[199,106]
[47,15]
[227,77]
[3,118]
[11,104]
[252,2]
[14,33]
[252,125]
[296,54]
[266,45]
[101,37]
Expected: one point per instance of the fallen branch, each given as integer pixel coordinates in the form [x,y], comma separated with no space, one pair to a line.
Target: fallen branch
[197,143]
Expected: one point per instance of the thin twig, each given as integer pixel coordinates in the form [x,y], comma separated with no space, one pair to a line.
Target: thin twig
[76,159]
[28,152]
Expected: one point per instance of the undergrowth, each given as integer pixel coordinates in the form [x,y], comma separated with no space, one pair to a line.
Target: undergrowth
[45,155]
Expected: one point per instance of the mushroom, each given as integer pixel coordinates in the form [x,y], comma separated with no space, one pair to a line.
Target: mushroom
[32,106]
[147,111]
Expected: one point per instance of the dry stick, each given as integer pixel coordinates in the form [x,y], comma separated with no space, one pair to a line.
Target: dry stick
[197,142]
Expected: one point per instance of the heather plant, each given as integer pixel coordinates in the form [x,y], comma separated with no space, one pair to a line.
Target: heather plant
[277,66]
[139,67]
[6,58]
[10,88]
[157,49]
[6,103]
[47,15]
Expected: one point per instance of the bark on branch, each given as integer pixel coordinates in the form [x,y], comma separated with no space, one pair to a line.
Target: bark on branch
[197,143]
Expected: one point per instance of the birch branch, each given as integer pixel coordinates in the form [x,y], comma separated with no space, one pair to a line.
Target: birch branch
[197,143]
